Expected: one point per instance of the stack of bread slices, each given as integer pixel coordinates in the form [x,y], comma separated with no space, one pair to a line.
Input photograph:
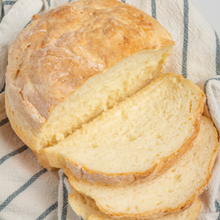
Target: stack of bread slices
[85,92]
[149,156]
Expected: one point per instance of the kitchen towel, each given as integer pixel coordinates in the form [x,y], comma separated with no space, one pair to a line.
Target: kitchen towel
[28,191]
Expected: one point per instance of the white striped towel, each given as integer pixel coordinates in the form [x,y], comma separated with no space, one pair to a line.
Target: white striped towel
[30,192]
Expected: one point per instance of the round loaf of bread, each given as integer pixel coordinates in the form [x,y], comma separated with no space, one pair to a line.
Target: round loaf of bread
[74,62]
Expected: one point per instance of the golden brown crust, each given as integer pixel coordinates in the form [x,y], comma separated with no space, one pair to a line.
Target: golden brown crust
[14,122]
[58,51]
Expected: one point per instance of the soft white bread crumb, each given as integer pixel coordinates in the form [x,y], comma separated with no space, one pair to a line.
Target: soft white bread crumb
[140,137]
[88,210]
[173,191]
[101,92]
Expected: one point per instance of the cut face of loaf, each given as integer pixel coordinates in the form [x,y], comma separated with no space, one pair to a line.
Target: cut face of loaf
[171,192]
[74,62]
[98,94]
[88,210]
[139,138]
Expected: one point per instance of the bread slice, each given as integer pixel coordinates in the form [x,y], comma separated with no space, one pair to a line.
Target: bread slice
[88,210]
[74,62]
[172,192]
[139,138]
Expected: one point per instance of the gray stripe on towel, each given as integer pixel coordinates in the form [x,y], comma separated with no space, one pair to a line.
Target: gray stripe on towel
[217,54]
[13,153]
[65,199]
[48,211]
[154,9]
[4,121]
[185,39]
[22,188]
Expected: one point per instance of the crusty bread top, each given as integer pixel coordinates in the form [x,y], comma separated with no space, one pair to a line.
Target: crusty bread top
[58,51]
